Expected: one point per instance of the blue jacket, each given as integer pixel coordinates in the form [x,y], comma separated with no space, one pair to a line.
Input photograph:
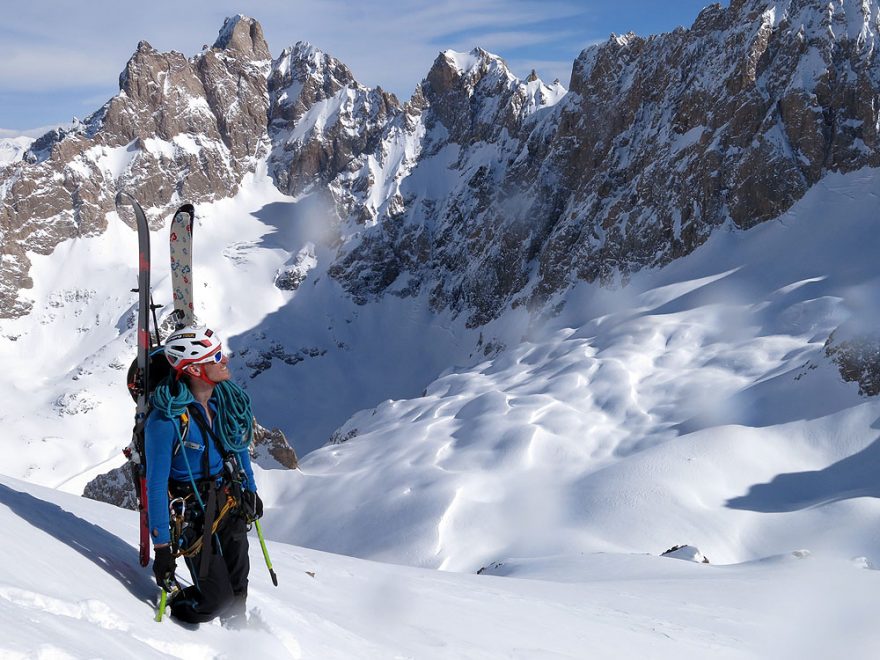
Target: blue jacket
[165,461]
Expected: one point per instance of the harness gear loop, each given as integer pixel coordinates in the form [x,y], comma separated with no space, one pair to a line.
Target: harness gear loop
[178,524]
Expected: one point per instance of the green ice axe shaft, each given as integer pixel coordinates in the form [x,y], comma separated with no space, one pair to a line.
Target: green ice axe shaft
[265,552]
[162,600]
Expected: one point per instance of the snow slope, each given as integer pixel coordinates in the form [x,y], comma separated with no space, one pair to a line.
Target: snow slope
[83,595]
[693,405]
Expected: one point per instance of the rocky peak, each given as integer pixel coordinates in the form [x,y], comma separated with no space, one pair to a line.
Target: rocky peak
[178,128]
[320,118]
[465,70]
[156,89]
[243,37]
[456,238]
[475,96]
[303,76]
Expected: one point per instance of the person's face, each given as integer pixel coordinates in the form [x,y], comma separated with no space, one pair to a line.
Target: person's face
[217,371]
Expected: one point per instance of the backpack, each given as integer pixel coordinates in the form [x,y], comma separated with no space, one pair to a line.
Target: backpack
[159,370]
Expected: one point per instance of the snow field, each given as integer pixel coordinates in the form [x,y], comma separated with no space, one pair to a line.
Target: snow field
[83,595]
[693,405]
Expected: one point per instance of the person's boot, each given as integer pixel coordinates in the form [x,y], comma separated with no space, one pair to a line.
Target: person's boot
[235,616]
[182,606]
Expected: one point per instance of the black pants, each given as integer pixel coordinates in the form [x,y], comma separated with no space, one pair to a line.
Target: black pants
[224,587]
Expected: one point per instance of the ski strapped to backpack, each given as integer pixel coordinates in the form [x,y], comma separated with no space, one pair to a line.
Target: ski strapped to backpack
[139,375]
[180,249]
[150,366]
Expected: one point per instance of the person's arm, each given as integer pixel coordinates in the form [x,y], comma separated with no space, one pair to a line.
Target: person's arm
[160,435]
[252,504]
[244,458]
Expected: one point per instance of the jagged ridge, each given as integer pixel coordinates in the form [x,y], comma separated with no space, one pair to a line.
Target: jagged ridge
[483,189]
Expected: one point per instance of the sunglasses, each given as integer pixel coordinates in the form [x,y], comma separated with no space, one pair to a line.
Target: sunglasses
[215,358]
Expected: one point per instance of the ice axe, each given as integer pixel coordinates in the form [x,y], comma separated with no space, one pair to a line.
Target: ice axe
[265,552]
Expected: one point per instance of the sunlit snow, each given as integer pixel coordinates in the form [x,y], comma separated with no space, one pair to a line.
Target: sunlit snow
[694,406]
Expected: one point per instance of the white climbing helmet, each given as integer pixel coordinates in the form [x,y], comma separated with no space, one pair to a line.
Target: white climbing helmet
[193,344]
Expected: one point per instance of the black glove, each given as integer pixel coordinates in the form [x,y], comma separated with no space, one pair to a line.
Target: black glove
[163,566]
[252,505]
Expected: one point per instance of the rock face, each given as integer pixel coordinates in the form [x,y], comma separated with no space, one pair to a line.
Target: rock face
[483,190]
[732,120]
[446,220]
[320,118]
[115,487]
[858,359]
[178,129]
[658,142]
[272,445]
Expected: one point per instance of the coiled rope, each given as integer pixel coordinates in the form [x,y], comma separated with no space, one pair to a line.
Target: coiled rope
[234,421]
[169,404]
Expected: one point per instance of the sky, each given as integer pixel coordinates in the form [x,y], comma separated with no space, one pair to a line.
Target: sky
[62,61]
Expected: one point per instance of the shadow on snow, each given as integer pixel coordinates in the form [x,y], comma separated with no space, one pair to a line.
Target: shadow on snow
[853,476]
[110,553]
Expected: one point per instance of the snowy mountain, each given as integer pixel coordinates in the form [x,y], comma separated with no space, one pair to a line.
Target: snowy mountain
[177,129]
[659,141]
[697,404]
[12,149]
[508,328]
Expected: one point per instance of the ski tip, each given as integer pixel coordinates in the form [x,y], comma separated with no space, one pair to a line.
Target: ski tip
[122,197]
[187,209]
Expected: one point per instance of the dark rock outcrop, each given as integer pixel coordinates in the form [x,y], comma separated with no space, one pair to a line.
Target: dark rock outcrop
[272,445]
[858,359]
[114,487]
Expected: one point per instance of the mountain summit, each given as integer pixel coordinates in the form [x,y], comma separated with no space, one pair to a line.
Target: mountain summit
[482,189]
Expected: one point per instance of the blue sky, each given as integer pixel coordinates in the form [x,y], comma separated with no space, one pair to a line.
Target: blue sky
[62,59]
